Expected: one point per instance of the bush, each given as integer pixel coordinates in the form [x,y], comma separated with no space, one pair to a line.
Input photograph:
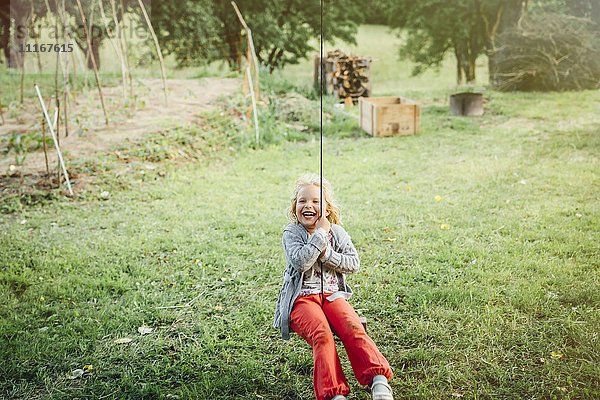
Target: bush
[549,52]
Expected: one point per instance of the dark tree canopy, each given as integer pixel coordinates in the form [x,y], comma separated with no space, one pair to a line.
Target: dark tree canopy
[467,28]
[283,31]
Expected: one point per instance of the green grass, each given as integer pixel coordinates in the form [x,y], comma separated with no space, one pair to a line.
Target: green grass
[493,292]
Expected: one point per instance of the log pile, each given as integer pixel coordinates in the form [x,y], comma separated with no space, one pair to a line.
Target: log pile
[345,74]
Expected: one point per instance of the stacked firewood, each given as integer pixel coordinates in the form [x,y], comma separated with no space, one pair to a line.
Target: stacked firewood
[351,74]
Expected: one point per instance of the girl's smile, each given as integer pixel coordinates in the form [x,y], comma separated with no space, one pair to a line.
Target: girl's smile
[308,207]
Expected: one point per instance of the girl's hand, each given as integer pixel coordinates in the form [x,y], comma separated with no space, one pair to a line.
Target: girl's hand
[323,222]
[323,252]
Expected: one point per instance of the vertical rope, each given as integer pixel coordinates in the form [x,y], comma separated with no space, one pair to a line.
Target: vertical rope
[321,204]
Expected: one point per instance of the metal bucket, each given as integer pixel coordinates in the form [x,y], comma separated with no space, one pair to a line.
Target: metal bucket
[466,104]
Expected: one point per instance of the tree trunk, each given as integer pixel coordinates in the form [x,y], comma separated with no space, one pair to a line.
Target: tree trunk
[96,53]
[460,71]
[471,70]
[20,13]
[5,29]
[511,16]
[233,40]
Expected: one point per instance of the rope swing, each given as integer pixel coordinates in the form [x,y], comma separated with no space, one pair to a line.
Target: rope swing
[321,204]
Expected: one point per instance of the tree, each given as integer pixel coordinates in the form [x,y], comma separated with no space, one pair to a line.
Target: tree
[18,12]
[497,16]
[434,27]
[466,27]
[281,30]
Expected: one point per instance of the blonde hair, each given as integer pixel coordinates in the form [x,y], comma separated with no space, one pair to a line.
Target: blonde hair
[335,215]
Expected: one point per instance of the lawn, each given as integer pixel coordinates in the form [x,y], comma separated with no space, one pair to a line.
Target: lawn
[479,240]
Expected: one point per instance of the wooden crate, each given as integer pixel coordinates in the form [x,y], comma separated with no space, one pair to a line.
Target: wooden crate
[386,116]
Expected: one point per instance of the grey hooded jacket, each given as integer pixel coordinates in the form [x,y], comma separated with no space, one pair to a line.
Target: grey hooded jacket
[301,252]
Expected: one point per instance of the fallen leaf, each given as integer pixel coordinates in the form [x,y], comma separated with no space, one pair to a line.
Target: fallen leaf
[123,340]
[143,330]
[88,367]
[389,240]
[456,394]
[557,355]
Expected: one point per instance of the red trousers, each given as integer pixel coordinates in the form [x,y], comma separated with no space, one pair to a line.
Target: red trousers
[316,324]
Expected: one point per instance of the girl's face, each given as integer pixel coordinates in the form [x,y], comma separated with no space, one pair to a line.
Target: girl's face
[308,206]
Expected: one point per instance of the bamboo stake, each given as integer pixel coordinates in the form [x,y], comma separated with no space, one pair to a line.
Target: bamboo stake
[77,51]
[23,54]
[1,111]
[74,66]
[66,72]
[112,42]
[60,159]
[91,29]
[57,54]
[45,147]
[89,43]
[35,38]
[160,58]
[118,36]
[126,52]
[251,51]
[253,104]
[57,118]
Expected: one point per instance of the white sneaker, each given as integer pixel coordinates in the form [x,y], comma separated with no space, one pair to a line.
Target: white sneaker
[339,397]
[380,389]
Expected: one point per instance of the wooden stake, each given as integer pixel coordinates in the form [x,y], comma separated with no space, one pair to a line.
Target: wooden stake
[126,54]
[60,159]
[90,31]
[45,147]
[57,124]
[120,43]
[112,42]
[1,111]
[57,53]
[66,75]
[57,113]
[160,58]
[89,43]
[23,54]
[35,38]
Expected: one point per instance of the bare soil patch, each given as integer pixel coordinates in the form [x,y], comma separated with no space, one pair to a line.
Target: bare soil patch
[130,119]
